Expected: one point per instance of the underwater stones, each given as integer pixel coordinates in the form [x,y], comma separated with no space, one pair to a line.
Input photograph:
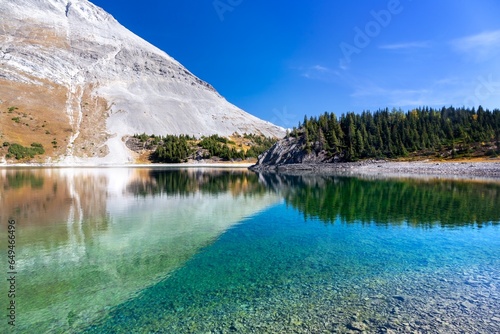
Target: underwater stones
[313,301]
[357,326]
[466,304]
[236,326]
[472,282]
[399,298]
[294,321]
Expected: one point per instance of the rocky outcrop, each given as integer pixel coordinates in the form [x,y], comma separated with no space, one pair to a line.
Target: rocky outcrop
[290,156]
[290,151]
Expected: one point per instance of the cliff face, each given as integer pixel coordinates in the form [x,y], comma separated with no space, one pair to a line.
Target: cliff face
[79,82]
[289,151]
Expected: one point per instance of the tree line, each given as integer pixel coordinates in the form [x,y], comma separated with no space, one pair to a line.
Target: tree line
[177,149]
[392,134]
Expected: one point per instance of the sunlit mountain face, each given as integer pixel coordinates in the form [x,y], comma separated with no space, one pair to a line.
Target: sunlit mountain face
[79,83]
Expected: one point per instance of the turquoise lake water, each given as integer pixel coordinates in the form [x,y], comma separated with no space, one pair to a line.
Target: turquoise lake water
[223,251]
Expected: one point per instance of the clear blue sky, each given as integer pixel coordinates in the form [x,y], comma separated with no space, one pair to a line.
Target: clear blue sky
[281,59]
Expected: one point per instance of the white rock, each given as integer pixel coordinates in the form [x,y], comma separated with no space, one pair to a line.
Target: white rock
[146,89]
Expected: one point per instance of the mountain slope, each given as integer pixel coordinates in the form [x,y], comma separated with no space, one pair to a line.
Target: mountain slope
[81,82]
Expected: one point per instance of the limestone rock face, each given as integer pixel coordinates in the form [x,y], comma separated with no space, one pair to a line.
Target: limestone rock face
[289,151]
[72,66]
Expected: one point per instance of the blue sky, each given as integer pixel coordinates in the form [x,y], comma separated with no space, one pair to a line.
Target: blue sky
[280,60]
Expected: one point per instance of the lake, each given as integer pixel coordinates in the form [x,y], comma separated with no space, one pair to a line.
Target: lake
[159,250]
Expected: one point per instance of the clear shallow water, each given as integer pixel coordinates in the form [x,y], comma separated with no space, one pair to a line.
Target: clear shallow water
[226,251]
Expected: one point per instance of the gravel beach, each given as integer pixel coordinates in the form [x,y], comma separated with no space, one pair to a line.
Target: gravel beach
[464,170]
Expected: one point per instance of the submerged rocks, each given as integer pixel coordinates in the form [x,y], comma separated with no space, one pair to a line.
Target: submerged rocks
[357,326]
[399,298]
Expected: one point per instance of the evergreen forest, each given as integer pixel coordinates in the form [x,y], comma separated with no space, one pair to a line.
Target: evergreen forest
[393,134]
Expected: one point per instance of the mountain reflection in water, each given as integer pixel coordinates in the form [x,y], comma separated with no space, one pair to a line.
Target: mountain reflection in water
[88,239]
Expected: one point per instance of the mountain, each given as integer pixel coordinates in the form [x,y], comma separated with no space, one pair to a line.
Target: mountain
[75,80]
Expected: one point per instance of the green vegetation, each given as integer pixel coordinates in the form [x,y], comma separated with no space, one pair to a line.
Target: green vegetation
[218,139]
[218,147]
[16,119]
[142,137]
[384,134]
[173,149]
[261,144]
[177,149]
[11,109]
[21,152]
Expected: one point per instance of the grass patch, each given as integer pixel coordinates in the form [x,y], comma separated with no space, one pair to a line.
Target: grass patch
[21,152]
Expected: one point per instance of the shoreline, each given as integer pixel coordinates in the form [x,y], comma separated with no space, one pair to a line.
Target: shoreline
[447,169]
[442,169]
[181,165]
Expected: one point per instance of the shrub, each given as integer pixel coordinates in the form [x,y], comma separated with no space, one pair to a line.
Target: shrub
[21,152]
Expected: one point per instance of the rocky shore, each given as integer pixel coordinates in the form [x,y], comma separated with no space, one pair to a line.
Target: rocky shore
[490,170]
[289,156]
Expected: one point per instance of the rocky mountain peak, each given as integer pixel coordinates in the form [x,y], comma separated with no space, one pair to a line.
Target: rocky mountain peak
[85,82]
